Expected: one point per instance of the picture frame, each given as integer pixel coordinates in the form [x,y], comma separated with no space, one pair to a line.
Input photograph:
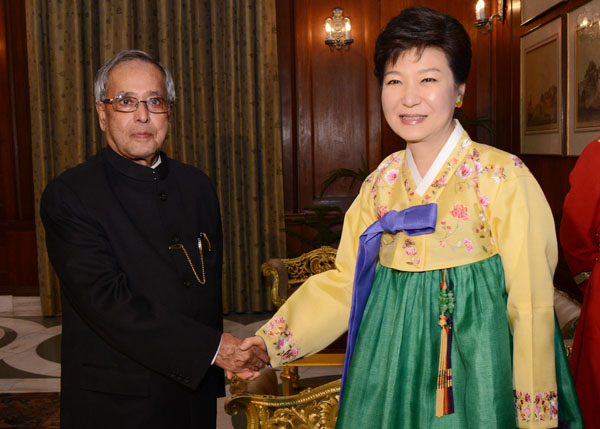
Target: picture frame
[541,98]
[583,76]
[530,9]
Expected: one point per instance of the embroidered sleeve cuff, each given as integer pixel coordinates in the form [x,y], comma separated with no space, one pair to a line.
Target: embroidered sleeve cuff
[282,339]
[534,409]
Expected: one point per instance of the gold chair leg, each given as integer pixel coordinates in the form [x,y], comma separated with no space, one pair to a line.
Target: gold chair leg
[286,380]
[294,377]
[289,380]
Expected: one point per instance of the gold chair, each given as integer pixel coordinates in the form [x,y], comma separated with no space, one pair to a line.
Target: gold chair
[283,277]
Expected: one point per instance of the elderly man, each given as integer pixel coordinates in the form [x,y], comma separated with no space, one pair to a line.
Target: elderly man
[135,238]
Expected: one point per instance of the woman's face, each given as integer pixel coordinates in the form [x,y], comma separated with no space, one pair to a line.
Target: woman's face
[419,95]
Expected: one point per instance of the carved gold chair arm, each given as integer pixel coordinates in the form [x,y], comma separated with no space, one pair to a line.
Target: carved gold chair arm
[283,276]
[275,274]
[311,408]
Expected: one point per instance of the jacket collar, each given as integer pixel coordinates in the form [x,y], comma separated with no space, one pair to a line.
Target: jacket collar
[137,171]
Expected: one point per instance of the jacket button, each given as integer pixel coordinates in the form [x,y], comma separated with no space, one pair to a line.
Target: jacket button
[162,196]
[187,283]
[175,239]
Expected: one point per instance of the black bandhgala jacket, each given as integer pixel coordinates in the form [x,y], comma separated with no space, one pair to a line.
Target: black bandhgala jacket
[139,329]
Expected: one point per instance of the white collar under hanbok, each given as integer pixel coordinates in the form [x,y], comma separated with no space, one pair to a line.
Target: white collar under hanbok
[424,182]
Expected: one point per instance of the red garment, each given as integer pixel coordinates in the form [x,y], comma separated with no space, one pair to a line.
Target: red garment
[579,230]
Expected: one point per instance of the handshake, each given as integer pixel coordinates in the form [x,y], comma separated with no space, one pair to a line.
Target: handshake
[243,358]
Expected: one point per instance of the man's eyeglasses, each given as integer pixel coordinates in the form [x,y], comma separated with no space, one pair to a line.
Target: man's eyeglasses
[127,104]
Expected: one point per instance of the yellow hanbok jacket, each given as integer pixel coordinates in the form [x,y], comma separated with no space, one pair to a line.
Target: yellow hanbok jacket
[488,203]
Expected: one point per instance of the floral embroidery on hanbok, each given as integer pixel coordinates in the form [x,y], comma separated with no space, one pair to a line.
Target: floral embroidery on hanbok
[439,183]
[381,211]
[468,245]
[395,158]
[499,174]
[543,408]
[392,175]
[517,161]
[465,171]
[410,249]
[483,200]
[409,245]
[460,212]
[384,165]
[284,342]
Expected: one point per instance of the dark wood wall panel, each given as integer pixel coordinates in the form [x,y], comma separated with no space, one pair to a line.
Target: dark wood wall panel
[332,89]
[18,258]
[330,105]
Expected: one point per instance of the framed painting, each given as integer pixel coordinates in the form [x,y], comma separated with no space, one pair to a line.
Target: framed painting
[541,90]
[532,8]
[583,84]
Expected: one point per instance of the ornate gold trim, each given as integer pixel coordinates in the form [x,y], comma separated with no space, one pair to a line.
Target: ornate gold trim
[310,263]
[268,271]
[311,408]
[566,295]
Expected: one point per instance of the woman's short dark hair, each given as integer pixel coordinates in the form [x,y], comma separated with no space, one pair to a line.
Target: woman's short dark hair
[420,28]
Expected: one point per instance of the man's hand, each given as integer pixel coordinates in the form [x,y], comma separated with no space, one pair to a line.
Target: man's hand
[245,358]
[246,344]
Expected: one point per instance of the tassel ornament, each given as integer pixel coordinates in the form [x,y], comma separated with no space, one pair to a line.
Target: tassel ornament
[444,399]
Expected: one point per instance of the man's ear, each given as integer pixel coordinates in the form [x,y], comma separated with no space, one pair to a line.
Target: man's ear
[101,109]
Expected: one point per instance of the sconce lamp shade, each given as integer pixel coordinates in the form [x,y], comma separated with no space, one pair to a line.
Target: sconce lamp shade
[481,21]
[337,30]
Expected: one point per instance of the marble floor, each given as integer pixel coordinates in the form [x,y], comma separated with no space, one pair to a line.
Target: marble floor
[30,350]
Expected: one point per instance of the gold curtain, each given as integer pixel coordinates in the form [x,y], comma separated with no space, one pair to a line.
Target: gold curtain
[223,56]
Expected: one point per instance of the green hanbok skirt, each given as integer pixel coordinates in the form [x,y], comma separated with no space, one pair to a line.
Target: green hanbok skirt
[392,378]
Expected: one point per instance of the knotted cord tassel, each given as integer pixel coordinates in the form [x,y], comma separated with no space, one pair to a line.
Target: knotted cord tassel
[444,400]
[441,377]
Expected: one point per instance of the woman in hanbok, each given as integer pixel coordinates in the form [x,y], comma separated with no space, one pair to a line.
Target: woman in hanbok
[449,290]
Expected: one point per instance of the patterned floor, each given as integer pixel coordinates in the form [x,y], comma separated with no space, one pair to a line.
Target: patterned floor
[30,350]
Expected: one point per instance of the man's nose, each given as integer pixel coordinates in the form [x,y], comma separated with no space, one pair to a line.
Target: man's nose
[141,113]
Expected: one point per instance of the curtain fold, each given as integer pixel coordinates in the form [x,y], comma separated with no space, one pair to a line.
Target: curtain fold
[226,120]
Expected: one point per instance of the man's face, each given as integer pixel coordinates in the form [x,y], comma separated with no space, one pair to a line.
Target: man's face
[138,135]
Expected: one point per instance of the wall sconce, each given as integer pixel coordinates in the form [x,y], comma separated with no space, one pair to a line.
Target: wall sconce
[337,29]
[482,22]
